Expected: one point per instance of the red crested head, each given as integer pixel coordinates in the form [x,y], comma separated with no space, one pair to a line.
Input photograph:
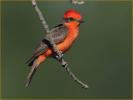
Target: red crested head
[73,14]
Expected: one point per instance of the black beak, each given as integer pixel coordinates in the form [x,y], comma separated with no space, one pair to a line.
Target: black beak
[81,21]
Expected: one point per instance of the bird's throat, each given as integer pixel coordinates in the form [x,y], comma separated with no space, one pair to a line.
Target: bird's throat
[72,34]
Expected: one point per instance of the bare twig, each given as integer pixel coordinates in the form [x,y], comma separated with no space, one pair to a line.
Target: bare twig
[59,56]
[46,28]
[65,65]
[77,1]
[74,77]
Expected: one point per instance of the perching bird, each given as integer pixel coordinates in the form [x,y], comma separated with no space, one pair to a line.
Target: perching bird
[63,35]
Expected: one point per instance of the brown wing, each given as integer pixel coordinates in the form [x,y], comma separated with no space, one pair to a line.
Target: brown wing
[58,35]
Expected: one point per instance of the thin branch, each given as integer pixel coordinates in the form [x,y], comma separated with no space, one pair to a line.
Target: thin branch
[77,1]
[70,73]
[43,21]
[74,77]
[59,56]
[46,27]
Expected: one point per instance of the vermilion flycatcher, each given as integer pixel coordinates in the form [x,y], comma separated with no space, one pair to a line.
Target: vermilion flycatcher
[63,35]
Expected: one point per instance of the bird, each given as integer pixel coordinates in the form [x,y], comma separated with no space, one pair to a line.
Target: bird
[63,35]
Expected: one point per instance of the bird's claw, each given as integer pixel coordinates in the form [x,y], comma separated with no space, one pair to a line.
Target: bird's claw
[59,55]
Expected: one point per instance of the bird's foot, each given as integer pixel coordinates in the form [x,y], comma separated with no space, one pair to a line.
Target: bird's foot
[59,55]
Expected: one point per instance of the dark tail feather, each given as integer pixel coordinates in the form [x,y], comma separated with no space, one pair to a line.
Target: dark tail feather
[31,60]
[31,73]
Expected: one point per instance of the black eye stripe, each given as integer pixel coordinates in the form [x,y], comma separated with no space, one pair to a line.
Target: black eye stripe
[69,19]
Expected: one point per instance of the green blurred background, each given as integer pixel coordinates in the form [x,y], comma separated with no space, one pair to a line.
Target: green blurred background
[101,56]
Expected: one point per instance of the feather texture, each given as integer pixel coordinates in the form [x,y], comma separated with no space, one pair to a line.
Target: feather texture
[58,34]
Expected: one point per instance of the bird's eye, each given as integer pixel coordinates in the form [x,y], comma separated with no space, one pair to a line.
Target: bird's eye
[69,19]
